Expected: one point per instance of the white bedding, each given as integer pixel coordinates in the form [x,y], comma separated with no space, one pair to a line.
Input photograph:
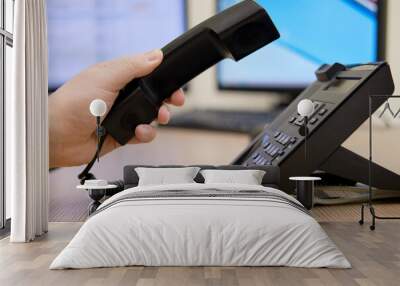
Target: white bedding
[200,232]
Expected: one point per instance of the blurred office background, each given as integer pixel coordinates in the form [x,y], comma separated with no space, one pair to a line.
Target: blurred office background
[313,32]
[234,99]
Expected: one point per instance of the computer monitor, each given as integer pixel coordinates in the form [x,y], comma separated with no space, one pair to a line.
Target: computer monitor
[313,32]
[82,33]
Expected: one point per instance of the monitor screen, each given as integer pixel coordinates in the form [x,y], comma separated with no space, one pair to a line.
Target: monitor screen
[313,32]
[82,33]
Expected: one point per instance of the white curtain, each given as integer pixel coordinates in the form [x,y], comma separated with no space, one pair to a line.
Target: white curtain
[26,119]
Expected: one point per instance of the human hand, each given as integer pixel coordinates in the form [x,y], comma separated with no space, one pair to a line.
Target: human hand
[73,139]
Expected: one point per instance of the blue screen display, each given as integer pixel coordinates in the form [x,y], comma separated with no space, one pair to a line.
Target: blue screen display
[84,32]
[313,32]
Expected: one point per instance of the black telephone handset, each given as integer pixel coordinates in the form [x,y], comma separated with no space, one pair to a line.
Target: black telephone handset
[234,33]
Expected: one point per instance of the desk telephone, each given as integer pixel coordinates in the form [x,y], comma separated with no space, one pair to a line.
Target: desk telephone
[341,101]
[340,95]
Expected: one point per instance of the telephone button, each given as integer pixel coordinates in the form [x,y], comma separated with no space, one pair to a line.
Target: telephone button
[266,145]
[323,111]
[300,121]
[269,149]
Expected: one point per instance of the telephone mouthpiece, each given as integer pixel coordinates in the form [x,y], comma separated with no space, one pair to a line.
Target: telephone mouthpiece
[98,108]
[305,108]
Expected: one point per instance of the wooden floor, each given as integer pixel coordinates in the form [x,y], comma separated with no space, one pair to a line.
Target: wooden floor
[375,257]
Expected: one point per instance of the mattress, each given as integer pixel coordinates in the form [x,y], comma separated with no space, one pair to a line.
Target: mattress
[201,225]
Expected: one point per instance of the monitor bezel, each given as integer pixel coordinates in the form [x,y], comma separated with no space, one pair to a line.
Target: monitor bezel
[52,89]
[297,89]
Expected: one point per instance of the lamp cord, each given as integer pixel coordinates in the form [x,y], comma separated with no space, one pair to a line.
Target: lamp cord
[85,175]
[305,138]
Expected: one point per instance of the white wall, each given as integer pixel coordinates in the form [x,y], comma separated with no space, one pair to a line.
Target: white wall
[203,90]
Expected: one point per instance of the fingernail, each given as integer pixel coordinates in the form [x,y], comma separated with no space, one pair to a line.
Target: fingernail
[146,131]
[146,128]
[154,55]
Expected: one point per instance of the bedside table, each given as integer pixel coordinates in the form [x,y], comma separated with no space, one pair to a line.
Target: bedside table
[305,190]
[96,193]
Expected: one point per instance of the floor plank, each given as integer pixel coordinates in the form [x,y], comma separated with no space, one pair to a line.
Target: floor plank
[375,257]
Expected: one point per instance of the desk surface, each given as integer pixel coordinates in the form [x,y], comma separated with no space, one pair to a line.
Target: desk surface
[185,147]
[172,146]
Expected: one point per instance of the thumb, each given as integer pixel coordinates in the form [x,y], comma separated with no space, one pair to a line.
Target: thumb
[116,74]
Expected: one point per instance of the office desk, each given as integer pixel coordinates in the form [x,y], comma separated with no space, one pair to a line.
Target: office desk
[185,147]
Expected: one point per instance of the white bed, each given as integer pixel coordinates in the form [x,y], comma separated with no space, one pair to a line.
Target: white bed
[201,231]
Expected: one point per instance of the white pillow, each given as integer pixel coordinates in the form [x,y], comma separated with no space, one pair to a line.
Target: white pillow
[166,176]
[247,177]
